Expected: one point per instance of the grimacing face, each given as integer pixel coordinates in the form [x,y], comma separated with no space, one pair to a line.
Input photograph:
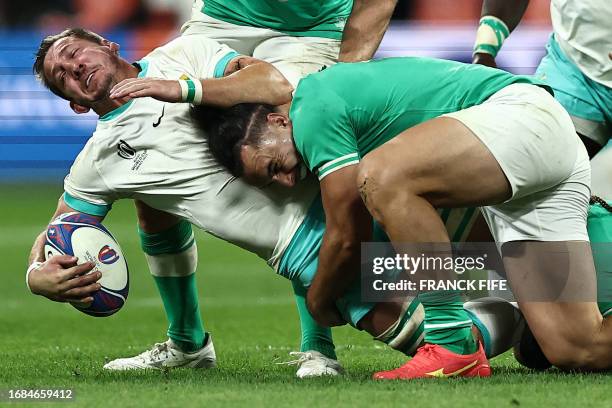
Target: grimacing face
[82,70]
[274,159]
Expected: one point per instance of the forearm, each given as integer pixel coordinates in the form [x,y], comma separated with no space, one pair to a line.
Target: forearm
[255,83]
[499,18]
[365,29]
[509,11]
[338,268]
[37,253]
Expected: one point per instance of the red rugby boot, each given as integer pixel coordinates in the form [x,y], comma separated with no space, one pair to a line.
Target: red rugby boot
[431,361]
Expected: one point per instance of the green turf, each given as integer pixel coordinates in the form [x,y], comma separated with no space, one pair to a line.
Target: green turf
[251,315]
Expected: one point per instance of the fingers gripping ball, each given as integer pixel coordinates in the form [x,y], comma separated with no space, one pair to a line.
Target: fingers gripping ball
[86,238]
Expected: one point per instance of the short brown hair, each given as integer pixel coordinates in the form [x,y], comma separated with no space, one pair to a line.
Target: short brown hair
[47,42]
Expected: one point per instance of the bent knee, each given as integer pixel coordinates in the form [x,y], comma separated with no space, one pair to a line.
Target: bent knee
[568,355]
[378,182]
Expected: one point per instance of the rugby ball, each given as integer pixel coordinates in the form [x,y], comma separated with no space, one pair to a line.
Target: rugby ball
[83,236]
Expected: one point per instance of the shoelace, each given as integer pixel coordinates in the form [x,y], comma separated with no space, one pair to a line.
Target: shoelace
[158,349]
[302,357]
[423,356]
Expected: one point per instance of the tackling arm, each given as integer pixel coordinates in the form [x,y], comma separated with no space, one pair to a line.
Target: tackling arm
[347,225]
[59,278]
[246,80]
[365,29]
[510,13]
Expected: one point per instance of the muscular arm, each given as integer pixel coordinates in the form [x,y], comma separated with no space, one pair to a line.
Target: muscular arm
[347,224]
[59,277]
[510,12]
[246,80]
[365,29]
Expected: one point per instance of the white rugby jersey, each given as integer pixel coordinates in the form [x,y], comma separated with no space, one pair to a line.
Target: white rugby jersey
[151,151]
[583,29]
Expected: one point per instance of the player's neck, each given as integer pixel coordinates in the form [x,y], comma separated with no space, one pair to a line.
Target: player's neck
[125,71]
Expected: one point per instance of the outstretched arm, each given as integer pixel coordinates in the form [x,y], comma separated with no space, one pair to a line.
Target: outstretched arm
[490,34]
[347,225]
[59,278]
[365,29]
[246,80]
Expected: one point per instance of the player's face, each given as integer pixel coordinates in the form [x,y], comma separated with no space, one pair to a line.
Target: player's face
[274,160]
[81,69]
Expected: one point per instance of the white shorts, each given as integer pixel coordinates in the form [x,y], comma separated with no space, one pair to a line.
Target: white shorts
[295,57]
[534,141]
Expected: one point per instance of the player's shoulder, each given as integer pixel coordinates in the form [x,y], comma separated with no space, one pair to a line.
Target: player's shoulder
[315,89]
[184,44]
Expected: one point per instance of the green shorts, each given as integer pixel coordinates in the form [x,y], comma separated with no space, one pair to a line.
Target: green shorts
[587,101]
[599,225]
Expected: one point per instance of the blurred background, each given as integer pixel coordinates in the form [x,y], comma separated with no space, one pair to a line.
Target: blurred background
[40,136]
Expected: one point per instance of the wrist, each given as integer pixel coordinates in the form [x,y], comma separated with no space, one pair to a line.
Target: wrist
[33,265]
[491,34]
[191,90]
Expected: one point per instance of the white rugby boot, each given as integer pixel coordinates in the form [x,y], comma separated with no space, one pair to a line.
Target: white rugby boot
[167,355]
[311,363]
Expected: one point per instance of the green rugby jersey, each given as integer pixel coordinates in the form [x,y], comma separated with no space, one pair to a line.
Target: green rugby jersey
[345,111]
[303,18]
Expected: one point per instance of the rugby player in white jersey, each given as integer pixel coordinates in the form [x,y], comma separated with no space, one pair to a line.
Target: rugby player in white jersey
[578,67]
[299,38]
[170,169]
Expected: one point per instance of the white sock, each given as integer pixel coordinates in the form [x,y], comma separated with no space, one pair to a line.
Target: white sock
[499,321]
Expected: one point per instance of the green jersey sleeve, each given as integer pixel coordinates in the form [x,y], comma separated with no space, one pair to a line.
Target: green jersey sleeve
[322,131]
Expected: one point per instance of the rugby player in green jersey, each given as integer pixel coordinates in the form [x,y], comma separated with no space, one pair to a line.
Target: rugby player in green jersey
[395,139]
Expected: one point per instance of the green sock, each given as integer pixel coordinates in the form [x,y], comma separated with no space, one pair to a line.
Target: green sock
[172,259]
[599,226]
[447,324]
[180,297]
[314,337]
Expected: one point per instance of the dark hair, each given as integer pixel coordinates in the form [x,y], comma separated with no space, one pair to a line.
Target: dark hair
[45,45]
[227,130]
[598,200]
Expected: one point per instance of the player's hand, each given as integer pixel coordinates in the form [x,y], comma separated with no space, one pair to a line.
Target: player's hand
[157,88]
[325,313]
[60,280]
[484,59]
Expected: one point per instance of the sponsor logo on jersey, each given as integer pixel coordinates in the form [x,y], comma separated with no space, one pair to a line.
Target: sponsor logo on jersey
[125,151]
[107,255]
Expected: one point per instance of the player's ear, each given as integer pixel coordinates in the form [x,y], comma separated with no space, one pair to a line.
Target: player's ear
[113,46]
[78,108]
[277,119]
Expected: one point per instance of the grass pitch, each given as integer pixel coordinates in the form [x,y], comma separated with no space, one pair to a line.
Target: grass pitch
[252,317]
